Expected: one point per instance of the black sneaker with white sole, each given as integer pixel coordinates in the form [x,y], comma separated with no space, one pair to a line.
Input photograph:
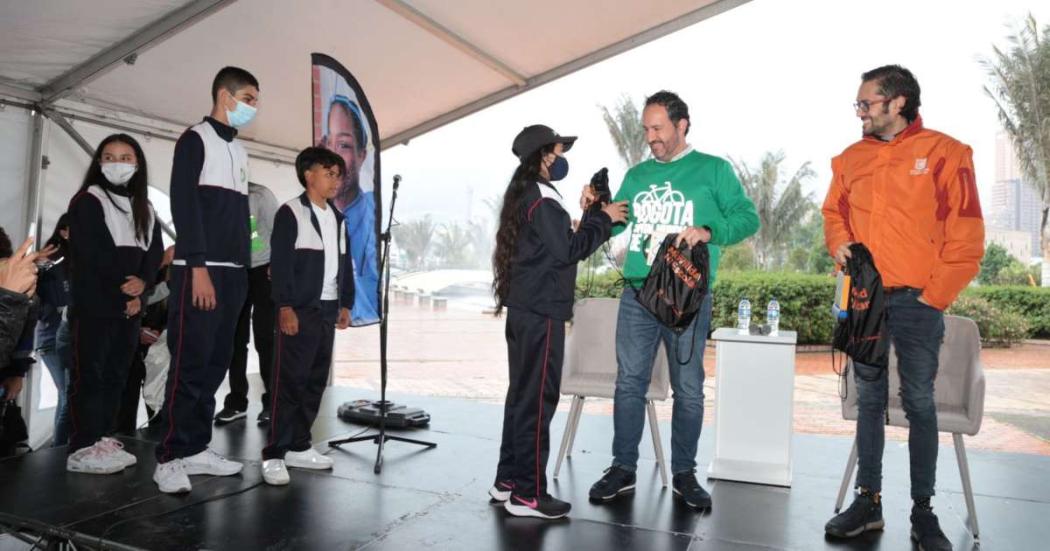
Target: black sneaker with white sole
[616,482]
[926,531]
[500,490]
[864,514]
[264,417]
[229,415]
[690,491]
[544,507]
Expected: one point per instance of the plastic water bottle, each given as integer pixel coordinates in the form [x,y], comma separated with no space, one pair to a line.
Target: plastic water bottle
[773,317]
[743,317]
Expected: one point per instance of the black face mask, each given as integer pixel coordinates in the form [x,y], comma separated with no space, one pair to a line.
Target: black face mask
[559,169]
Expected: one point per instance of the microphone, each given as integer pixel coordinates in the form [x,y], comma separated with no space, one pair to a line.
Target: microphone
[397,180]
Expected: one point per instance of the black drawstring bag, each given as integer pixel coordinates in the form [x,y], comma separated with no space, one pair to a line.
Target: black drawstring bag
[13,433]
[676,286]
[862,336]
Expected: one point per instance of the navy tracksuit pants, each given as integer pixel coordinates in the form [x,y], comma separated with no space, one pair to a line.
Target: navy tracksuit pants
[102,354]
[535,352]
[201,344]
[300,376]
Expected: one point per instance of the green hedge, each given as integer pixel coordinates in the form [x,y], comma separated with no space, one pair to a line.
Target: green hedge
[805,300]
[1032,303]
[1004,313]
[998,326]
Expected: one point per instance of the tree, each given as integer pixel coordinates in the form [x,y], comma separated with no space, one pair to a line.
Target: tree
[781,206]
[453,246]
[995,259]
[737,258]
[1020,87]
[625,128]
[413,238]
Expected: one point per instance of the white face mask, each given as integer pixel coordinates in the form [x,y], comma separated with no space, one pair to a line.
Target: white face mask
[118,174]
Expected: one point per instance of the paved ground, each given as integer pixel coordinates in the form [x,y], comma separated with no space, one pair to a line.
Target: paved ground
[462,353]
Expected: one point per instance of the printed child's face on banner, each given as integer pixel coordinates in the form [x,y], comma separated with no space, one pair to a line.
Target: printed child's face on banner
[342,137]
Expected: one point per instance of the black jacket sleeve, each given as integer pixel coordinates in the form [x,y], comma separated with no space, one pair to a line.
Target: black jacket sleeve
[14,311]
[151,261]
[282,257]
[568,247]
[347,289]
[185,199]
[90,246]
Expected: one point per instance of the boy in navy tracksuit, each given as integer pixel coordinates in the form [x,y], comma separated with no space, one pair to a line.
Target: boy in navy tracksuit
[535,278]
[209,278]
[313,288]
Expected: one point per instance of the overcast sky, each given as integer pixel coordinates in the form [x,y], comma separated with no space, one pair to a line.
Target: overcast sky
[769,75]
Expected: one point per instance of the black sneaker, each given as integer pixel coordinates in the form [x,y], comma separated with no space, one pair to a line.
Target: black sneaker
[926,531]
[615,483]
[863,514]
[500,491]
[545,506]
[689,490]
[264,417]
[229,415]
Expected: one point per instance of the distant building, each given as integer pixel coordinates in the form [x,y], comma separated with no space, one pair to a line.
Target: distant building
[1016,205]
[1017,243]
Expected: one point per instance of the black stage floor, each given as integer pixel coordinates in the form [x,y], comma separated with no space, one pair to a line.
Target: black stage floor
[435,499]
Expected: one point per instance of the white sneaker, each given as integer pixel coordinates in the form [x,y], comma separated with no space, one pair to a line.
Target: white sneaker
[94,459]
[171,477]
[308,459]
[209,462]
[274,472]
[116,448]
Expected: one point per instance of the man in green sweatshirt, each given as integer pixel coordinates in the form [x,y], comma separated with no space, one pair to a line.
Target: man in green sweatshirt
[698,197]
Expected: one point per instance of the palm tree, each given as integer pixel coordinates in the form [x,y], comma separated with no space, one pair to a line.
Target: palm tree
[454,246]
[625,129]
[1020,87]
[413,238]
[781,208]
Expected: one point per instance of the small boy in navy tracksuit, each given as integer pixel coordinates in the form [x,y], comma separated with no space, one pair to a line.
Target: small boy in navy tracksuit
[313,289]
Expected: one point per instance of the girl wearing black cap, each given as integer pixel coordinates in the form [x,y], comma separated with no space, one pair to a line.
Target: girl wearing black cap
[535,276]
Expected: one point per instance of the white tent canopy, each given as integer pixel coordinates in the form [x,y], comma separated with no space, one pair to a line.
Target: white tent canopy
[145,66]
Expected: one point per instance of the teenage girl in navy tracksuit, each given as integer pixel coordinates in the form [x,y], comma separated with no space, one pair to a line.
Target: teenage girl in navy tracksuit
[535,277]
[115,248]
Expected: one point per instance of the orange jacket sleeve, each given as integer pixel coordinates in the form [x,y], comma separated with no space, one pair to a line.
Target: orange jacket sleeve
[836,210]
[959,207]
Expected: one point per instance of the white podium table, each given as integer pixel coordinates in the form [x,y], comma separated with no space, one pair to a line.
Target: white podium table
[754,407]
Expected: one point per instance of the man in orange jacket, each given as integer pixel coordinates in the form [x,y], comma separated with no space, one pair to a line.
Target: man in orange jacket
[907,193]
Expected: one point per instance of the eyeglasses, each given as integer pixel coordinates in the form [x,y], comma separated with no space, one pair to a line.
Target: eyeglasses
[864,105]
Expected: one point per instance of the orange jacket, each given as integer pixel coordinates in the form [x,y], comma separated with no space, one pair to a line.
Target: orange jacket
[913,202]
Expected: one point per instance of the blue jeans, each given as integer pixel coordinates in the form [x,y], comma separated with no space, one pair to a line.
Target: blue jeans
[916,331]
[638,334]
[58,358]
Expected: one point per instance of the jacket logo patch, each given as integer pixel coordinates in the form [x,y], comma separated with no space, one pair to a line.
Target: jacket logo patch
[920,167]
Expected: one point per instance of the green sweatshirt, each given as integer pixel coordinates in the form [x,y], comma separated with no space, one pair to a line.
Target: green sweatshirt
[663,198]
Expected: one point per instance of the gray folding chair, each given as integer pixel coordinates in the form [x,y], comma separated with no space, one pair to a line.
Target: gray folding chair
[590,371]
[958,393]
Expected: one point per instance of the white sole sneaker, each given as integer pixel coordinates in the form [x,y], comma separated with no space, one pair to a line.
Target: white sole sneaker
[275,473]
[309,459]
[82,467]
[171,480]
[211,463]
[499,495]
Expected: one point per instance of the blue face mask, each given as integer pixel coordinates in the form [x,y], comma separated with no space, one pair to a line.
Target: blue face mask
[241,115]
[559,169]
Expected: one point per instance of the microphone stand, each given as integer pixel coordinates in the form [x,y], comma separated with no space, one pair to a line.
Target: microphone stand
[382,437]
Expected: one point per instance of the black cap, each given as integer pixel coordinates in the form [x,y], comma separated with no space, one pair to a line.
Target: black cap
[531,138]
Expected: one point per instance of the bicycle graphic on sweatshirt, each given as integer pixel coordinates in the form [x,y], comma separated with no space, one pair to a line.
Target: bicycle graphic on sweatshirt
[657,212]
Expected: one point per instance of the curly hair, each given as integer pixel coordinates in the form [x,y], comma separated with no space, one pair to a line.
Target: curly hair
[510,218]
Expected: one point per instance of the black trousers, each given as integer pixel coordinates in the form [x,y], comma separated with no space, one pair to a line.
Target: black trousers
[258,312]
[201,343]
[535,352]
[102,351]
[299,379]
[127,414]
